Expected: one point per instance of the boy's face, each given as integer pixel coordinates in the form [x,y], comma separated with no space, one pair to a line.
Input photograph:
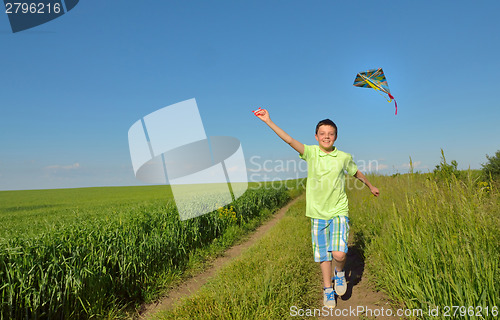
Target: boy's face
[326,136]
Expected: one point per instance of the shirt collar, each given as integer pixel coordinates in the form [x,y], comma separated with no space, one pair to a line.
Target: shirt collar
[332,154]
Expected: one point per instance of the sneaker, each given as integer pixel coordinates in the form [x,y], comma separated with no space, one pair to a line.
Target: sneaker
[340,283]
[329,298]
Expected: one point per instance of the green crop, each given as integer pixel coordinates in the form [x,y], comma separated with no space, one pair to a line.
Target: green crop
[86,267]
[432,242]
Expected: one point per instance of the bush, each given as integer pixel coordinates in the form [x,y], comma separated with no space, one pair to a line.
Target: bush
[492,168]
[444,170]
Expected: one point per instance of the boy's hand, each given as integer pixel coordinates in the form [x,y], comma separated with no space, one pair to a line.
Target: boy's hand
[262,114]
[374,191]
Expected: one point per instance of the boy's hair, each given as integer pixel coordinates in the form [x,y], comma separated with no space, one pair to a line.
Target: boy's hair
[327,122]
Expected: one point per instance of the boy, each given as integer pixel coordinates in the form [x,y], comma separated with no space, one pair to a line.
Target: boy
[326,200]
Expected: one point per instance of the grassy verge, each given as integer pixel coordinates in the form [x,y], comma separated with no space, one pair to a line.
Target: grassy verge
[265,281]
[433,243]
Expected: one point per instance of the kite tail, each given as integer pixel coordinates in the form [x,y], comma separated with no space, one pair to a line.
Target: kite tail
[395,103]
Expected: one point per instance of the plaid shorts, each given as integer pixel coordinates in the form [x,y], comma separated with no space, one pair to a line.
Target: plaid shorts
[329,235]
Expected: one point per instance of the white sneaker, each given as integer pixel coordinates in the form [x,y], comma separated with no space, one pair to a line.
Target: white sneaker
[329,298]
[340,283]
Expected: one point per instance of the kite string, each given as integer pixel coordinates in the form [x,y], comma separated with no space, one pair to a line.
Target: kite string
[383,96]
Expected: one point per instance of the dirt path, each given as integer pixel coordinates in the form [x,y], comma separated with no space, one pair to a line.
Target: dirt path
[359,292]
[361,300]
[192,285]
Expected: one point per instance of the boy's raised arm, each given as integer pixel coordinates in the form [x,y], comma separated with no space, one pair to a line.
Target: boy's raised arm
[263,115]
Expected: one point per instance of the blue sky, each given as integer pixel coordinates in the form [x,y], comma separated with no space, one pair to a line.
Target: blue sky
[71,88]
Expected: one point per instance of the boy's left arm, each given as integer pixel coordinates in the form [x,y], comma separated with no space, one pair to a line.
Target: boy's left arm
[361,177]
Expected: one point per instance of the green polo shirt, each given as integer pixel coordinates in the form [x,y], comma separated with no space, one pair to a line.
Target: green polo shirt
[325,189]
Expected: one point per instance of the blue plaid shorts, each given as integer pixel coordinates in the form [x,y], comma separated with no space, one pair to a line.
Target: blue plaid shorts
[329,235]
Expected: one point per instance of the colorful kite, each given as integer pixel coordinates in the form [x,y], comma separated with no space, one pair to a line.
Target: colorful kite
[375,79]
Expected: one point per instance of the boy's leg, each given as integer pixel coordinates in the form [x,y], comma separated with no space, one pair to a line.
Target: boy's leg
[340,233]
[339,281]
[326,270]
[320,235]
[339,259]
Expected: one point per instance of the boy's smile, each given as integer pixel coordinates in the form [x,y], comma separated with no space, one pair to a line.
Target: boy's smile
[326,136]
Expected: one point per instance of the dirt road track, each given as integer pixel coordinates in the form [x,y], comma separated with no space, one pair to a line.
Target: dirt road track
[190,286]
[360,294]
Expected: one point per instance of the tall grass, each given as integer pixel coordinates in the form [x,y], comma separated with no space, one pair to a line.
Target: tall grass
[432,242]
[89,268]
[267,281]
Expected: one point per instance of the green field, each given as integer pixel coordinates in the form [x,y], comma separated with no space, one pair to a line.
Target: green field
[428,242]
[31,212]
[83,253]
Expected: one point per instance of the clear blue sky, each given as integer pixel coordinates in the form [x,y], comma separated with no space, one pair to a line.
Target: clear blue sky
[71,88]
